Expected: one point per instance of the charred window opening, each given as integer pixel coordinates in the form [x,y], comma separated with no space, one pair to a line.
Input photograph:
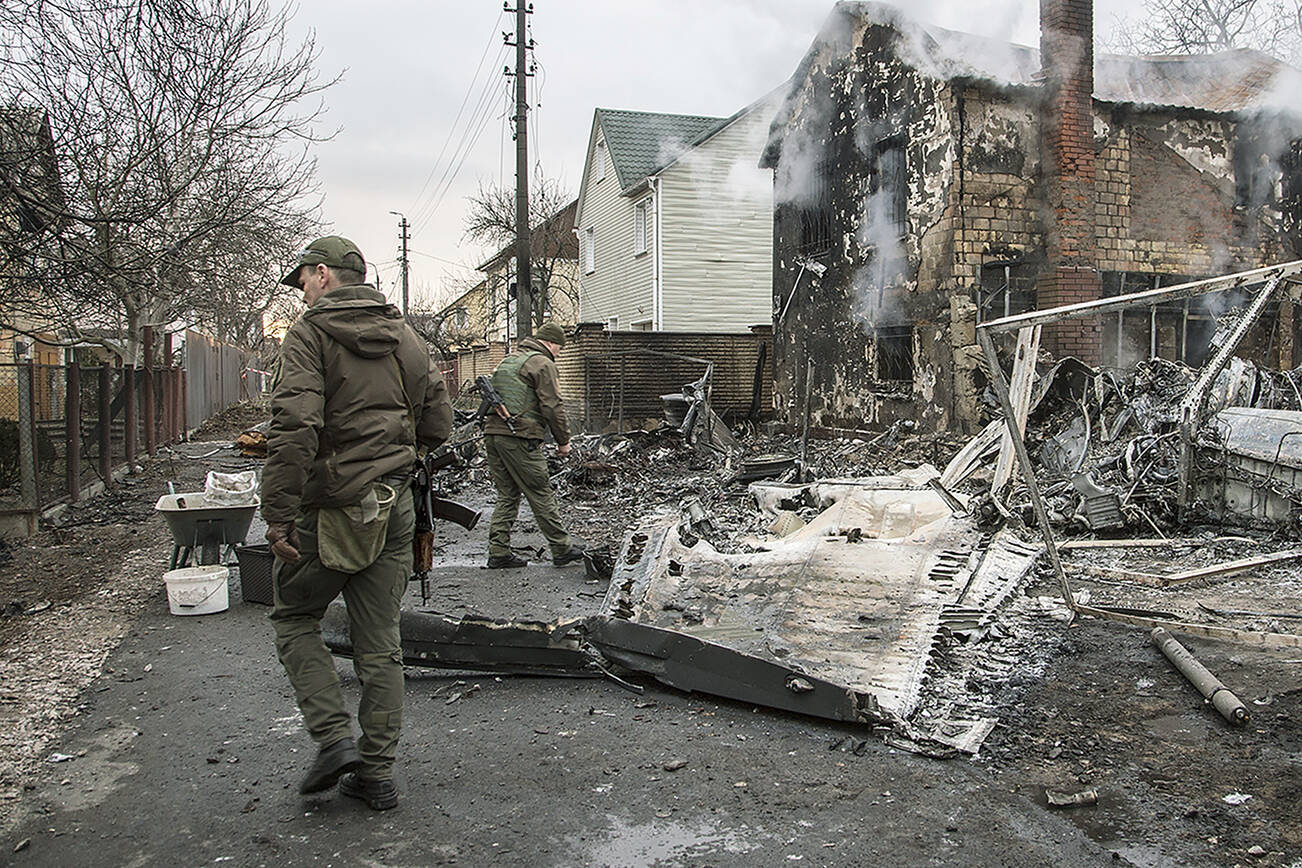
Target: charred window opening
[1291,193]
[888,184]
[1007,288]
[1176,330]
[1254,168]
[816,214]
[894,353]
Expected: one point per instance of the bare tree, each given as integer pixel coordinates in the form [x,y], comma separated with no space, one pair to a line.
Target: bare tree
[180,130]
[490,219]
[1205,26]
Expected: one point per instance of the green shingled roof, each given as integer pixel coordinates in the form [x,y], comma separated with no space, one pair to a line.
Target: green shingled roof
[641,142]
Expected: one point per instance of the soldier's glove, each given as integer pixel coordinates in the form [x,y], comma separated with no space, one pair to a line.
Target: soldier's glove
[283,536]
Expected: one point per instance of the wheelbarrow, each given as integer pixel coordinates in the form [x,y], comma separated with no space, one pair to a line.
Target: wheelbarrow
[207,532]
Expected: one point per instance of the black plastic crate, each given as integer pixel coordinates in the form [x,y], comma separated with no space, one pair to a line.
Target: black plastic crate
[255,573]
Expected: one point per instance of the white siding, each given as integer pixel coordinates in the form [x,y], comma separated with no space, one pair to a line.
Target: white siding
[718,231]
[622,283]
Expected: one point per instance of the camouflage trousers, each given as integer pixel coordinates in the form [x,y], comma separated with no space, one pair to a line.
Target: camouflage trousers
[518,467]
[373,598]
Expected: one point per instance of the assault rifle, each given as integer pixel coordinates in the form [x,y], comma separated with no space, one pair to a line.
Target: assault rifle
[430,506]
[490,400]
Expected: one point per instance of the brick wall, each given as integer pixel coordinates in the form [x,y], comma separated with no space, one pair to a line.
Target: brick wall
[1157,213]
[1071,275]
[996,209]
[605,373]
[480,360]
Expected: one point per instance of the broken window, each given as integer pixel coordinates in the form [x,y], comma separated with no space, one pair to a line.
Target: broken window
[1175,330]
[816,214]
[1007,288]
[1254,168]
[888,185]
[894,353]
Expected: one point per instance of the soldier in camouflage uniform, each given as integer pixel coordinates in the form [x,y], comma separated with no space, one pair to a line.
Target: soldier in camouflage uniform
[356,392]
[529,384]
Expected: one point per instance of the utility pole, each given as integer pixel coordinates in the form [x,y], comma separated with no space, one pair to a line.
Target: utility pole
[523,281]
[402,229]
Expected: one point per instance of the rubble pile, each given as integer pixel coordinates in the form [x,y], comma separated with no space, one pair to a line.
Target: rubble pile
[1106,443]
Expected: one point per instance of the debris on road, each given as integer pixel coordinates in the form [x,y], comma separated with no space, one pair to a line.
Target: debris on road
[1207,684]
[1058,799]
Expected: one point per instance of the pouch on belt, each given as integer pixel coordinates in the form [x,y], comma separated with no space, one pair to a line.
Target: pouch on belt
[350,538]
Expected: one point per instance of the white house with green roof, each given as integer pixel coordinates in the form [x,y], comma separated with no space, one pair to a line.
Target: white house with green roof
[675,221]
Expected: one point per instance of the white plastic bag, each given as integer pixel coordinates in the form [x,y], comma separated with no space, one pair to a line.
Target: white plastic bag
[231,489]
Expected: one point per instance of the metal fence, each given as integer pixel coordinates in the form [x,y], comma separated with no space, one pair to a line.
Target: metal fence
[66,427]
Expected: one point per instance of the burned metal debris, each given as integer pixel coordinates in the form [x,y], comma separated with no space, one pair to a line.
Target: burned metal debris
[857,583]
[485,644]
[1207,684]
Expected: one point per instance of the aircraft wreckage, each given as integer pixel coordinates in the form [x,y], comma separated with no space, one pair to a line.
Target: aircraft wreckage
[838,619]
[844,616]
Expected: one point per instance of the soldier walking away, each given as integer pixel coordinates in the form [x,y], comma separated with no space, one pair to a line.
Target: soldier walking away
[355,394]
[529,385]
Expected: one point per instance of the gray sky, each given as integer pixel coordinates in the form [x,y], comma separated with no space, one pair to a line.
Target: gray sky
[408,66]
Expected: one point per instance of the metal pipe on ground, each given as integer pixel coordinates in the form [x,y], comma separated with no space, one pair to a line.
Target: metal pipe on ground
[1207,684]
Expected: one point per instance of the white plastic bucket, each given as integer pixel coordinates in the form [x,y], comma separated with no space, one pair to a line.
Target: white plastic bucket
[198,590]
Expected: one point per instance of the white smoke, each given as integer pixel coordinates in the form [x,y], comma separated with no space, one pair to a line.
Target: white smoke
[887,262]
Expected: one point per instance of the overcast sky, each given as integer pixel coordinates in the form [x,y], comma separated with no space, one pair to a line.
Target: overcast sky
[409,66]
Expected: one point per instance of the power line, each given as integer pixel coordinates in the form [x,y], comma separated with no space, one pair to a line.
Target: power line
[441,259]
[470,136]
[472,121]
[469,90]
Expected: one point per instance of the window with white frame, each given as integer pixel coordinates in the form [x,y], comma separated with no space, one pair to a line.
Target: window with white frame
[612,324]
[589,250]
[641,226]
[601,161]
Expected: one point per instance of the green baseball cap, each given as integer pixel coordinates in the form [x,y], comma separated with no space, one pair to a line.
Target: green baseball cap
[552,332]
[334,251]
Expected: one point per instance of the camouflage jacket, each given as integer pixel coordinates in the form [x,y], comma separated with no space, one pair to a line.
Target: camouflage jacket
[355,392]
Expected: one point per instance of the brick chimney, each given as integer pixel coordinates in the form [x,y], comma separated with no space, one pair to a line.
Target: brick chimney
[1071,273]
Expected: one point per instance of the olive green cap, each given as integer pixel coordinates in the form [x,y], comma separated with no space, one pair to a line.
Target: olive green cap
[551,332]
[334,251]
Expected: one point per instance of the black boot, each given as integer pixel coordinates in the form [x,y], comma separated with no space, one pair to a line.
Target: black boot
[331,762]
[380,795]
[569,556]
[504,562]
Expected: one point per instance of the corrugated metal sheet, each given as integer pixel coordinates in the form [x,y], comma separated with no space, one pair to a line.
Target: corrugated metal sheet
[480,360]
[816,607]
[217,376]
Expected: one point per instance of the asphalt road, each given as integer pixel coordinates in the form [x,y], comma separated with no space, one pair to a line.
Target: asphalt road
[188,749]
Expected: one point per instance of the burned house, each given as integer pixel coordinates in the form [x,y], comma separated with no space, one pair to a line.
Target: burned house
[927,180]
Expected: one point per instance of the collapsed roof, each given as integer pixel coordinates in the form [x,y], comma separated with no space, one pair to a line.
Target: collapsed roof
[1235,81]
